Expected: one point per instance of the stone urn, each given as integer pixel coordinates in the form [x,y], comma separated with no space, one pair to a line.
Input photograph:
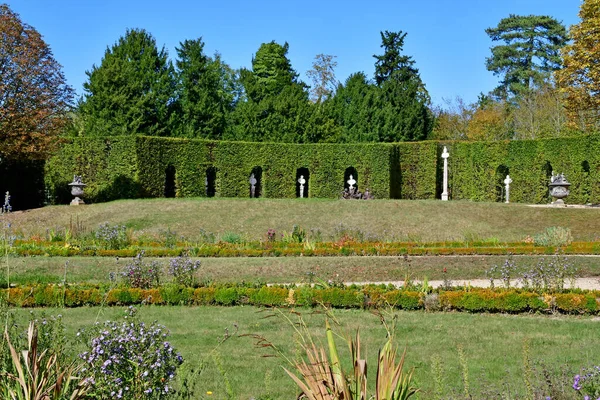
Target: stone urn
[559,189]
[77,190]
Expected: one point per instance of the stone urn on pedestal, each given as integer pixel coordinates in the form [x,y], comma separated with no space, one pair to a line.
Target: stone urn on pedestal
[77,190]
[559,189]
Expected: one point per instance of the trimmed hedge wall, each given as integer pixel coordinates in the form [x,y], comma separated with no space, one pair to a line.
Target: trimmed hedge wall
[471,300]
[477,169]
[130,167]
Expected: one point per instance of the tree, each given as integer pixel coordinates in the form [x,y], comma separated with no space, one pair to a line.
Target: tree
[539,113]
[579,80]
[452,122]
[392,63]
[276,107]
[132,91]
[34,95]
[353,108]
[323,77]
[403,112]
[530,53]
[202,108]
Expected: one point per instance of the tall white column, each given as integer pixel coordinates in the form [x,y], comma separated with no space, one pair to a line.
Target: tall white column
[445,156]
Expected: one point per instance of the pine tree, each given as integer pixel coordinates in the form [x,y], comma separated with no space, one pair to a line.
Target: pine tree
[530,53]
[132,91]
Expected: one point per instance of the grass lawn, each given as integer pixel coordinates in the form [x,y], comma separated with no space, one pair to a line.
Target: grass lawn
[284,269]
[414,220]
[492,344]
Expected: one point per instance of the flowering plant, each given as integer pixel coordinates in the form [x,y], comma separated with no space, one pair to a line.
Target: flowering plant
[588,383]
[112,237]
[183,269]
[139,274]
[130,360]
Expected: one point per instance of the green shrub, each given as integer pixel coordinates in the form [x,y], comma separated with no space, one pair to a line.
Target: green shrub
[555,236]
[226,296]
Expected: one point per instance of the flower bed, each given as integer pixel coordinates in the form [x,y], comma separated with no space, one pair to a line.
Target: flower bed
[279,249]
[369,296]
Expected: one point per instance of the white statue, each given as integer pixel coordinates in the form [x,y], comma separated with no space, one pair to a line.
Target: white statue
[507,183]
[253,182]
[301,181]
[351,182]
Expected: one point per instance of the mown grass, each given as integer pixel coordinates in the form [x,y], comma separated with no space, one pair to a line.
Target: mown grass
[418,220]
[493,345]
[27,270]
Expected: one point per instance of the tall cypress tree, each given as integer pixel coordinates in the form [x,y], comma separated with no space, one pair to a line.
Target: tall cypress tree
[132,91]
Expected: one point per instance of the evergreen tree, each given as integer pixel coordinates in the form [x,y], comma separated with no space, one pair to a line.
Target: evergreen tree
[580,78]
[132,91]
[530,53]
[276,107]
[202,103]
[354,109]
[403,112]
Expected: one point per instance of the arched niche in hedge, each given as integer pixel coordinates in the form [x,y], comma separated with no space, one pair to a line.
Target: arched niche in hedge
[350,171]
[257,172]
[501,173]
[211,181]
[170,186]
[305,173]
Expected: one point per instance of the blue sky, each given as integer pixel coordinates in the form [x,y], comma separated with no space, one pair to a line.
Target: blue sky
[446,38]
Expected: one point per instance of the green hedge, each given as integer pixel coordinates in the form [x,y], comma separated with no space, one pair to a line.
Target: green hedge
[370,296]
[129,167]
[477,169]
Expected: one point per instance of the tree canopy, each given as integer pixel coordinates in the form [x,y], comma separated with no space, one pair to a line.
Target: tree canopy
[201,105]
[133,89]
[34,95]
[530,53]
[579,80]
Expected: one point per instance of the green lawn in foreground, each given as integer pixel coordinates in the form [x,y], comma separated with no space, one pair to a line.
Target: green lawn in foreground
[493,344]
[284,269]
[407,220]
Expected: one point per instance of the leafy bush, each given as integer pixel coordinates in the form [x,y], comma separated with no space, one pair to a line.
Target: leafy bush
[555,236]
[131,360]
[113,237]
[138,274]
[231,237]
[183,270]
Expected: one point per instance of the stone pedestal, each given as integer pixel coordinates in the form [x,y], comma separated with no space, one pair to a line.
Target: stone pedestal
[77,190]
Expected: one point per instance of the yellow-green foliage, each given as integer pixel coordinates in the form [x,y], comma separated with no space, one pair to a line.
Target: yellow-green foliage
[473,300]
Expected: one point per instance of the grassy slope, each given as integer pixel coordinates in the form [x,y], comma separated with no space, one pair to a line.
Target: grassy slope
[423,220]
[493,344]
[283,269]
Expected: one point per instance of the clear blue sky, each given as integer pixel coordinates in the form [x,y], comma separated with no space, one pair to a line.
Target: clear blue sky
[446,38]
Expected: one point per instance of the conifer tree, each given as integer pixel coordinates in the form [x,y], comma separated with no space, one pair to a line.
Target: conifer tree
[132,90]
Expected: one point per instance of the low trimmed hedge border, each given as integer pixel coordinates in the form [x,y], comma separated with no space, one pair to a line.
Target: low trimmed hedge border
[327,249]
[366,297]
